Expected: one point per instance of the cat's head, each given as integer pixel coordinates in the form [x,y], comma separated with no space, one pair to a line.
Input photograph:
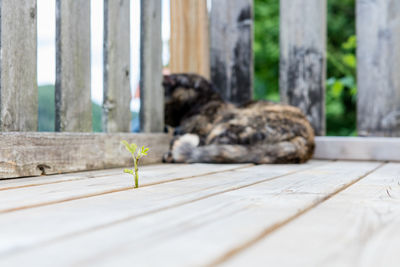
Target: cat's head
[185,94]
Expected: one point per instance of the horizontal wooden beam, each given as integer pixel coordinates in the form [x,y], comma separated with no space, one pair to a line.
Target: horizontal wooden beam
[34,154]
[358,148]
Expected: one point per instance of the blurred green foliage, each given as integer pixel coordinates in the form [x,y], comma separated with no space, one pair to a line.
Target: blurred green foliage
[341,88]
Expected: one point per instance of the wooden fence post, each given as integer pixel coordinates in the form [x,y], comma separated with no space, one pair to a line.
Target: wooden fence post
[73,103]
[18,84]
[151,91]
[117,93]
[232,49]
[378,61]
[303,58]
[190,50]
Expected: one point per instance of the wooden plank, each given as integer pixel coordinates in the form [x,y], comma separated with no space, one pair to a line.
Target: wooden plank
[117,93]
[46,194]
[189,43]
[22,230]
[162,172]
[378,65]
[360,224]
[151,91]
[358,148]
[72,95]
[213,225]
[18,85]
[232,49]
[31,154]
[303,58]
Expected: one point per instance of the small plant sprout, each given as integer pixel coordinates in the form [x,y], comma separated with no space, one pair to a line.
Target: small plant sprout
[139,154]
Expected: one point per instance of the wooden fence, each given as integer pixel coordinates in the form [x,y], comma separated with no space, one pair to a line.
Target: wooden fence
[217,44]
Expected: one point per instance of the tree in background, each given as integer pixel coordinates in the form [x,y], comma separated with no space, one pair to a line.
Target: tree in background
[341,62]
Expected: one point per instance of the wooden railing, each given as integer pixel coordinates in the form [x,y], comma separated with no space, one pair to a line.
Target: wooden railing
[216,44]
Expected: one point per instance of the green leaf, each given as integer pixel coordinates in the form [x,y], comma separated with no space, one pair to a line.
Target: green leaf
[128,171]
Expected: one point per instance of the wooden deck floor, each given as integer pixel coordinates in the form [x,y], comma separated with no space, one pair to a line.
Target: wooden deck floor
[323,213]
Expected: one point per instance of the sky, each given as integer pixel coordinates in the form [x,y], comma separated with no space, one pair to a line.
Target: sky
[46,44]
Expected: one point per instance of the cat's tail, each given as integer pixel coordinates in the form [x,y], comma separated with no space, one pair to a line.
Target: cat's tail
[186,150]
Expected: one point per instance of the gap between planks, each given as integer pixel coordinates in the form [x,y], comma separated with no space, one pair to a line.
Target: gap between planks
[115,190]
[314,174]
[357,227]
[232,253]
[64,235]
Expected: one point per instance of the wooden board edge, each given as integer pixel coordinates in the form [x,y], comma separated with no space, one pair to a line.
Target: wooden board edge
[34,154]
[358,148]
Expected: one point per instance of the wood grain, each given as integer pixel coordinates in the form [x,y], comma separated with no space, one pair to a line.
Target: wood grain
[72,95]
[357,148]
[189,43]
[151,91]
[48,194]
[212,225]
[232,49]
[117,93]
[153,174]
[378,67]
[31,154]
[303,58]
[357,227]
[18,85]
[56,221]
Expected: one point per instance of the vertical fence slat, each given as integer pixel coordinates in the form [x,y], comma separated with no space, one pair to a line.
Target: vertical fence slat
[18,85]
[303,60]
[232,48]
[151,91]
[116,103]
[73,103]
[378,61]
[190,50]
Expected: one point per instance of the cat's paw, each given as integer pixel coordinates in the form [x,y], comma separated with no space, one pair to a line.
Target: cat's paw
[182,149]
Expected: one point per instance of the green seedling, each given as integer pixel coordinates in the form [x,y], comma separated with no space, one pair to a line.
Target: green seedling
[136,157]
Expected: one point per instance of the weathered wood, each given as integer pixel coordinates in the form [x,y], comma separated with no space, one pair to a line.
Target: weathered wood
[360,224]
[152,174]
[18,85]
[58,220]
[117,93]
[232,49]
[151,91]
[189,44]
[378,68]
[74,189]
[72,97]
[30,154]
[215,225]
[358,148]
[303,58]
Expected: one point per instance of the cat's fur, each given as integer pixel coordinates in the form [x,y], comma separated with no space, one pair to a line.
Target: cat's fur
[209,129]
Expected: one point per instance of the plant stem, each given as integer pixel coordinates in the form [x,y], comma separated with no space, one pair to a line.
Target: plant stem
[136,173]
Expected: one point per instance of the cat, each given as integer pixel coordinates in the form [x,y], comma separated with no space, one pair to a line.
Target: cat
[211,130]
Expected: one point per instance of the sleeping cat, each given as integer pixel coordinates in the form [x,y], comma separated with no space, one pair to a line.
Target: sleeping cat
[211,130]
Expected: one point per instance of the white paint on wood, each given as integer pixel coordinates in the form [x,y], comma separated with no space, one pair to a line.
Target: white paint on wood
[117,93]
[378,67]
[31,154]
[357,148]
[303,58]
[29,229]
[357,227]
[151,91]
[73,103]
[231,33]
[18,84]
